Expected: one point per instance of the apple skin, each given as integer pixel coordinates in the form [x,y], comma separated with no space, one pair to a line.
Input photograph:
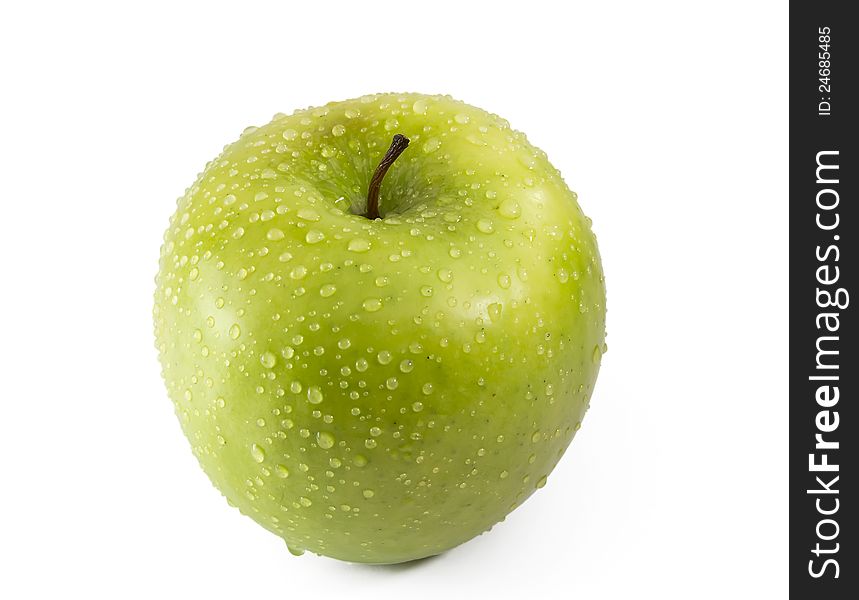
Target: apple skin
[380,391]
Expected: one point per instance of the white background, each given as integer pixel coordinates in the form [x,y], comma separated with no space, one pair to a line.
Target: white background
[668,118]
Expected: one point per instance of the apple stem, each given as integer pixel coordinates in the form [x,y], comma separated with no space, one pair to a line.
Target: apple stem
[398,145]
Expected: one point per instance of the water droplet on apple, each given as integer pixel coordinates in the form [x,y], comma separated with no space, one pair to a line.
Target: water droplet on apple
[308,214]
[338,130]
[325,440]
[274,234]
[235,331]
[426,291]
[407,366]
[268,360]
[541,482]
[314,395]
[281,471]
[372,304]
[327,290]
[431,145]
[509,209]
[368,493]
[257,453]
[358,245]
[314,236]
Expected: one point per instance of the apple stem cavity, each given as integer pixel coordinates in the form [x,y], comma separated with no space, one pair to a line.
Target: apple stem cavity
[398,145]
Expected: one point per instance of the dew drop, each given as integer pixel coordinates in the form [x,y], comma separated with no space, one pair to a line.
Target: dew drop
[368,493]
[509,209]
[274,234]
[485,226]
[268,359]
[314,395]
[358,245]
[235,331]
[407,366]
[372,304]
[541,482]
[314,236]
[281,471]
[420,107]
[325,440]
[327,290]
[308,214]
[257,453]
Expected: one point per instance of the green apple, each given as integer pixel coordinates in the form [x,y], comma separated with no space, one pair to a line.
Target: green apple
[378,366]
